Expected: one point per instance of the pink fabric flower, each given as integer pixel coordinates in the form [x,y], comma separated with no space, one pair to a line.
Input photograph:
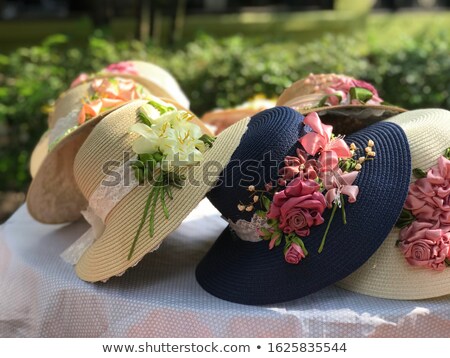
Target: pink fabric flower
[298,207]
[81,78]
[319,141]
[122,67]
[424,246]
[338,183]
[429,198]
[342,85]
[293,166]
[109,94]
[294,254]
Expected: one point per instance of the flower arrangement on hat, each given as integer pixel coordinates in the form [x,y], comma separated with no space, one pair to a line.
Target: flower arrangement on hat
[106,94]
[123,67]
[316,179]
[344,90]
[168,144]
[425,220]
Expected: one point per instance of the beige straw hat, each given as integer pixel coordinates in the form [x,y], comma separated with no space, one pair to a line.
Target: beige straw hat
[53,197]
[159,81]
[347,103]
[155,79]
[115,211]
[222,118]
[387,273]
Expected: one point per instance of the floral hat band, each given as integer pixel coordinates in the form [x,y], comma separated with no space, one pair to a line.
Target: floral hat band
[291,221]
[160,82]
[98,96]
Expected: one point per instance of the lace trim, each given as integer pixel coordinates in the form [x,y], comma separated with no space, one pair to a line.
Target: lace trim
[62,127]
[101,202]
[248,230]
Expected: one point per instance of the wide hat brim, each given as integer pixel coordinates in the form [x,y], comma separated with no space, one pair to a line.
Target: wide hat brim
[387,274]
[53,196]
[39,153]
[108,255]
[249,273]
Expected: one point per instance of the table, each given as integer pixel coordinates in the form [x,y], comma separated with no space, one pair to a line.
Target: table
[40,296]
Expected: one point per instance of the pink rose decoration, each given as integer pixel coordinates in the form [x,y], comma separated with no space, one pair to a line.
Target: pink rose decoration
[319,141]
[293,166]
[429,198]
[298,207]
[81,78]
[122,67]
[424,246]
[294,254]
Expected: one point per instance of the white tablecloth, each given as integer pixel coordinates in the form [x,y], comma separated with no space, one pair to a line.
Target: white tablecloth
[40,296]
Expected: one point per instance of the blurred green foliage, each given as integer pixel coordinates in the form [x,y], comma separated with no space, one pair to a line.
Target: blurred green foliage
[213,73]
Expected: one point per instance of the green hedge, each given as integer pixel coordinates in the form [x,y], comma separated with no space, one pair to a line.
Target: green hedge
[212,73]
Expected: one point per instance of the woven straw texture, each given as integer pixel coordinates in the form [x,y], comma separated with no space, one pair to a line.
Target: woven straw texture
[108,256]
[250,273]
[160,82]
[387,274]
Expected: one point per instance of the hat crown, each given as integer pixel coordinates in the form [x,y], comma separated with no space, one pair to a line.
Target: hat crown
[271,135]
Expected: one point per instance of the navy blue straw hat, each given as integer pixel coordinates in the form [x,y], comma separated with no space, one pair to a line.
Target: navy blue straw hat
[242,270]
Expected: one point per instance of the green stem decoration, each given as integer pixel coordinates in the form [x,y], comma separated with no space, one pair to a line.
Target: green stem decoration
[158,192]
[328,228]
[344,215]
[144,216]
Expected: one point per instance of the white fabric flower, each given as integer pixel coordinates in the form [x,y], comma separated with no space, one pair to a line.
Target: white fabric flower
[171,134]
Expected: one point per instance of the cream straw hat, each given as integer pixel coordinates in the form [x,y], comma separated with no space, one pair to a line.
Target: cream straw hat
[155,79]
[343,101]
[53,197]
[115,211]
[387,273]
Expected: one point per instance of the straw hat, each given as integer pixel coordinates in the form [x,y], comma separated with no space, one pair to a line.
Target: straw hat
[159,81]
[221,119]
[343,101]
[387,273]
[116,211]
[53,197]
[155,79]
[293,259]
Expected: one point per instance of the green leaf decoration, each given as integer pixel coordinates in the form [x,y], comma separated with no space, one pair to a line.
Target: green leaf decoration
[144,119]
[406,218]
[325,98]
[265,202]
[447,153]
[447,262]
[160,108]
[361,94]
[208,140]
[267,233]
[261,213]
[419,173]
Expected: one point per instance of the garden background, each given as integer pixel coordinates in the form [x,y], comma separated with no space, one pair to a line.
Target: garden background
[220,60]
